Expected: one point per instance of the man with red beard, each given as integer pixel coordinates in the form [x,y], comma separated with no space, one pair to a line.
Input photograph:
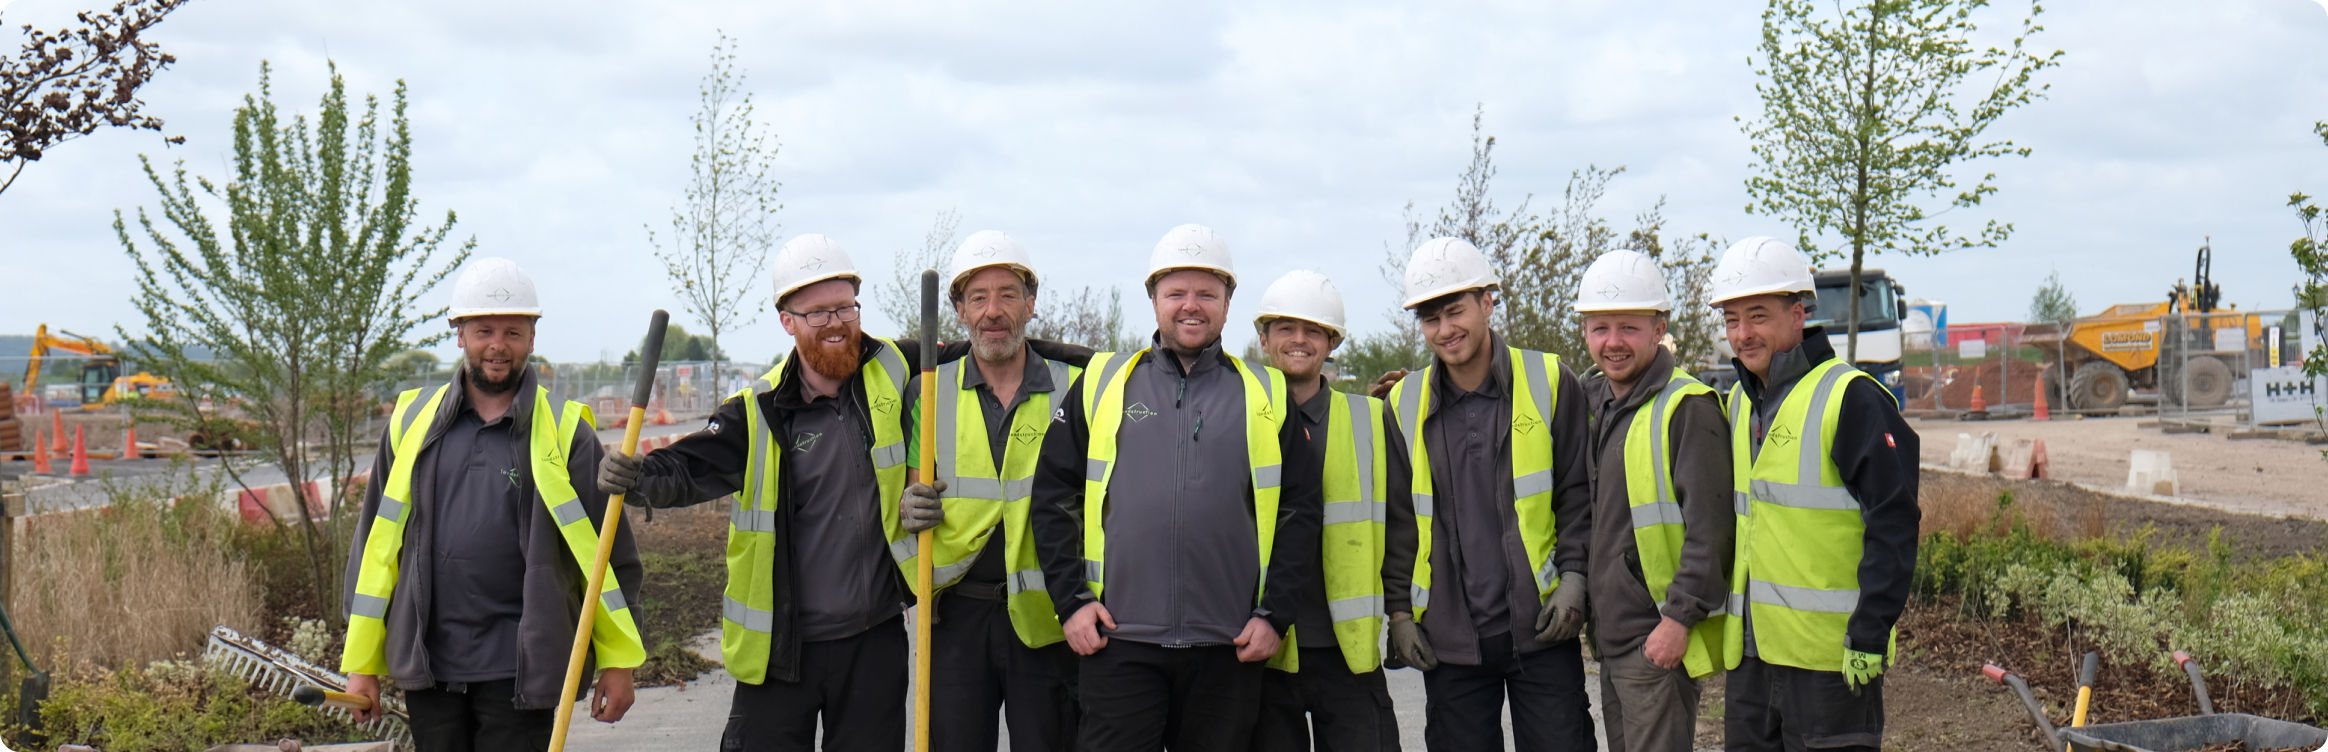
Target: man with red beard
[1176,513]
[815,450]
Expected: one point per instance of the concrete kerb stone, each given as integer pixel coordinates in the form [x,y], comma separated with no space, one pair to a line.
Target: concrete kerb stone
[2151,471]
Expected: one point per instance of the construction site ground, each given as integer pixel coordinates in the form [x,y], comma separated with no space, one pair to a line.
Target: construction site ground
[2271,477]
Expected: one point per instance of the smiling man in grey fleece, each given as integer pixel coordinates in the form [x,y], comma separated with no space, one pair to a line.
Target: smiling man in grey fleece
[1176,513]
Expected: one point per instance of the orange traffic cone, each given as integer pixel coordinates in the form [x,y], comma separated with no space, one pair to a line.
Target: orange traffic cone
[129,443]
[1978,405]
[663,417]
[40,455]
[57,429]
[2042,413]
[80,453]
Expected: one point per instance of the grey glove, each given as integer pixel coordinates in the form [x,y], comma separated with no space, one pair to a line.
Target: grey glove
[920,509]
[1408,644]
[1562,617]
[618,473]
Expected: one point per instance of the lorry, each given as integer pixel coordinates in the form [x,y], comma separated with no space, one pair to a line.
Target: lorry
[1880,314]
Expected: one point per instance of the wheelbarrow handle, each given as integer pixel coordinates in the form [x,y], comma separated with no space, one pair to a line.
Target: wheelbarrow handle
[2190,666]
[2036,712]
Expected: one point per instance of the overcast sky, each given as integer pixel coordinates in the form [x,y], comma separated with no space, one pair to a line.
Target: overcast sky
[1296,130]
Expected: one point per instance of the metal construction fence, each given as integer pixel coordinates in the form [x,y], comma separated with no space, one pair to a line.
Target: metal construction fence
[2241,369]
[684,388]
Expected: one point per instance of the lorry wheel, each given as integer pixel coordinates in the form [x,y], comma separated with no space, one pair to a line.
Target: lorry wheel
[2206,382]
[2098,385]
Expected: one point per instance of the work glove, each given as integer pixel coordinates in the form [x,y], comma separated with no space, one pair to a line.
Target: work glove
[920,509]
[1408,644]
[1860,669]
[1562,617]
[618,473]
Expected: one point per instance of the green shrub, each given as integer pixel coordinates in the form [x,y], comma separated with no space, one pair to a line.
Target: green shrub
[174,706]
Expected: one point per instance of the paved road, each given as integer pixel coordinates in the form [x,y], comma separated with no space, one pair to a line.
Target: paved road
[691,717]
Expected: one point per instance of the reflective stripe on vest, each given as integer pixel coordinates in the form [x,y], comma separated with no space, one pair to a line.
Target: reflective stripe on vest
[1103,408]
[1357,467]
[1657,518]
[748,609]
[981,501]
[1533,404]
[1799,530]
[614,642]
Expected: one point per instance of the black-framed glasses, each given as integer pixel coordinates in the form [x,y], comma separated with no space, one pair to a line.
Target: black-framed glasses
[820,318]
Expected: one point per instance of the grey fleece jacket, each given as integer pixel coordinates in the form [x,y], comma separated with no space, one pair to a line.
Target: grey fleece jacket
[1623,613]
[1182,549]
[553,582]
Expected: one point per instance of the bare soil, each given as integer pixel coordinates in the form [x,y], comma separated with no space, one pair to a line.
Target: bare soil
[683,550]
[1952,501]
[2269,477]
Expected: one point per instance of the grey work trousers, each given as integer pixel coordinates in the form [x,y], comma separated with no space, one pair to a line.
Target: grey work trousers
[1645,708]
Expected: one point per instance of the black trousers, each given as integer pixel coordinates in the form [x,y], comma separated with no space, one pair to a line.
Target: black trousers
[978,665]
[1463,709]
[1773,708]
[1138,696]
[1347,712]
[476,717]
[857,684]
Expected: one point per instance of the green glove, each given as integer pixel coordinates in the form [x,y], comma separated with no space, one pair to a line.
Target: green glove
[1562,617]
[1408,645]
[1860,669]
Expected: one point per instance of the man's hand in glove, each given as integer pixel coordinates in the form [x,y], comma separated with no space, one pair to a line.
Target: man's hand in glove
[1860,669]
[920,510]
[1562,617]
[1408,644]
[619,474]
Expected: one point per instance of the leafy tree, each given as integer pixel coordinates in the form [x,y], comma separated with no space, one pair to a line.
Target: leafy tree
[304,293]
[1366,357]
[1688,263]
[1869,112]
[1083,316]
[67,84]
[720,237]
[2311,252]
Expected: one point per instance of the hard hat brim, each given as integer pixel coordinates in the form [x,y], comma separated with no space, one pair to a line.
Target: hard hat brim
[1416,300]
[1227,277]
[1778,289]
[954,286]
[1261,324]
[458,315]
[799,285]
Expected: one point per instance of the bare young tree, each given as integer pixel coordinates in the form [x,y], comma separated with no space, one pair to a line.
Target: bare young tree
[721,235]
[67,84]
[901,301]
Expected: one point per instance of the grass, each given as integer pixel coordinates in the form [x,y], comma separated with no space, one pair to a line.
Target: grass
[141,580]
[681,600]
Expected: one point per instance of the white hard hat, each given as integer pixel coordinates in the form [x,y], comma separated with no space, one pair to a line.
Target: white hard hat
[986,248]
[494,287]
[1191,247]
[1759,266]
[1622,280]
[1302,294]
[1445,266]
[807,260]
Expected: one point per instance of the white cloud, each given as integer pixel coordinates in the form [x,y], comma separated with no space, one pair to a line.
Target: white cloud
[1298,130]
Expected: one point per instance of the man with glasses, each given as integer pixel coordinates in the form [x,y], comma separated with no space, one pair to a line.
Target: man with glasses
[814,450]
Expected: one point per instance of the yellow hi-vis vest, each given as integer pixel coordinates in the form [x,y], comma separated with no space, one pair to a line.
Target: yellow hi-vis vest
[748,612]
[1657,520]
[1533,403]
[983,501]
[615,640]
[1357,469]
[1799,529]
[1103,406]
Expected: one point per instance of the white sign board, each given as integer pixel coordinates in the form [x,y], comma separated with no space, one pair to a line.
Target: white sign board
[2283,395]
[1972,349]
[2231,339]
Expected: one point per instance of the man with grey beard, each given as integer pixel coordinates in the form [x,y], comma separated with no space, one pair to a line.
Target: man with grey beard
[997,642]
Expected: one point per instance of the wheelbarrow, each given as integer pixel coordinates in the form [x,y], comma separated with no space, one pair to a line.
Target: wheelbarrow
[2182,734]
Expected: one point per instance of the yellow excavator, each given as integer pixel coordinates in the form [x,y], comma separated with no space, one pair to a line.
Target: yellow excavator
[102,383]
